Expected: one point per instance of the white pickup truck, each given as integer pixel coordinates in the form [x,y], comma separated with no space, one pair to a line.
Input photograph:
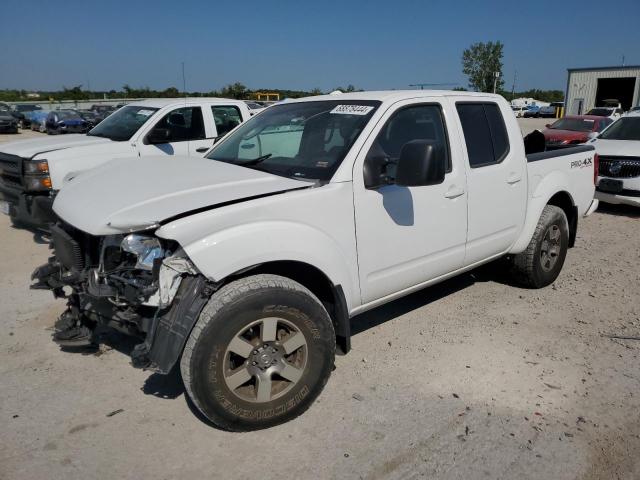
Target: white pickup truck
[619,150]
[32,171]
[245,270]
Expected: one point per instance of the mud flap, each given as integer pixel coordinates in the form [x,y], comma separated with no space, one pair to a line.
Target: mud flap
[169,330]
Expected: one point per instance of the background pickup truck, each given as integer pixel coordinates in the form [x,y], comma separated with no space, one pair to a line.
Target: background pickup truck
[245,270]
[32,171]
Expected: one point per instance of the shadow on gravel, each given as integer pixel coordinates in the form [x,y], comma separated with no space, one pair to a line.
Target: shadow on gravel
[619,210]
[39,236]
[495,271]
[411,302]
[164,386]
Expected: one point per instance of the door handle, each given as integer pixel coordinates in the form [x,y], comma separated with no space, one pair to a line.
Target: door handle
[514,178]
[202,149]
[454,192]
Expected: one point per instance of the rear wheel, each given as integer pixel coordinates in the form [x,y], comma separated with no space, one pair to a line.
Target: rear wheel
[260,353]
[540,264]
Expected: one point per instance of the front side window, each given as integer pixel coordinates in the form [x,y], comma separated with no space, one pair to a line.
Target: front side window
[122,124]
[419,122]
[225,118]
[299,139]
[485,133]
[183,124]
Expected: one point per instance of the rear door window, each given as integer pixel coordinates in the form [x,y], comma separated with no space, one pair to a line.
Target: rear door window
[485,133]
[226,118]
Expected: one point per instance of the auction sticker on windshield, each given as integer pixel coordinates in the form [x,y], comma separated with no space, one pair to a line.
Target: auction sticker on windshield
[146,113]
[352,109]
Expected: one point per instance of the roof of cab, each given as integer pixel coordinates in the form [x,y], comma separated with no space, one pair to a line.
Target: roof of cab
[163,102]
[395,95]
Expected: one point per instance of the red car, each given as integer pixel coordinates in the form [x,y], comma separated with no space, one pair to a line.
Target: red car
[573,129]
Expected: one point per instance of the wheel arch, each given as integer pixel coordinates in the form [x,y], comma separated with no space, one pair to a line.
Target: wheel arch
[560,198]
[564,201]
[311,277]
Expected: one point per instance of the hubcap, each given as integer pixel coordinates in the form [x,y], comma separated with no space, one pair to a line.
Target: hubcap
[265,360]
[550,248]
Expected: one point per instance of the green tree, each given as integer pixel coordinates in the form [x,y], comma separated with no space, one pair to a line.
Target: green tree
[236,90]
[480,62]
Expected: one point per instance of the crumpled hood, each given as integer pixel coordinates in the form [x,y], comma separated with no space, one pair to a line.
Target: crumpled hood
[132,194]
[626,148]
[29,148]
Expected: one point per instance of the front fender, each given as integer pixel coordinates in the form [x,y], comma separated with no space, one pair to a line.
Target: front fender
[543,189]
[224,252]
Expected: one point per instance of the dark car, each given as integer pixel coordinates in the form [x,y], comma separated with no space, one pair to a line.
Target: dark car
[102,111]
[91,117]
[22,111]
[573,129]
[532,111]
[8,122]
[65,121]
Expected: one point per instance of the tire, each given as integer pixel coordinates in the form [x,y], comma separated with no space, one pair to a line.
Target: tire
[260,317]
[540,264]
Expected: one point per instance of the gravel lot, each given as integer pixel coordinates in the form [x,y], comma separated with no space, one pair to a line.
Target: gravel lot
[470,379]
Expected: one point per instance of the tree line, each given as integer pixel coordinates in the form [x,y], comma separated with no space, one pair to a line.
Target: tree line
[235,90]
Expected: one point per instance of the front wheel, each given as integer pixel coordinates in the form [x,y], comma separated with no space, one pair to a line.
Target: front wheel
[260,353]
[540,264]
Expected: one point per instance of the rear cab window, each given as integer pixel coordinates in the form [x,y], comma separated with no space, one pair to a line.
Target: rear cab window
[485,133]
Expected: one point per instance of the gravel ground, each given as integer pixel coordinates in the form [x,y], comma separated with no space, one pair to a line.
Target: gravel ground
[470,379]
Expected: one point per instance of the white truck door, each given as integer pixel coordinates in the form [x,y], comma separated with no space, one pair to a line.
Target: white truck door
[496,179]
[180,127]
[408,235]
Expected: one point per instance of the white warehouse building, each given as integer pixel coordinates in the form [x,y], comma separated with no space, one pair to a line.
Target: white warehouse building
[590,87]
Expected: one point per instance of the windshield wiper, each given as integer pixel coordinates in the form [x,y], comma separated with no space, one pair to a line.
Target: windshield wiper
[255,161]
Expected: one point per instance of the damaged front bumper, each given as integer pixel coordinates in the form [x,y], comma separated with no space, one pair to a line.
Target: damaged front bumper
[108,287]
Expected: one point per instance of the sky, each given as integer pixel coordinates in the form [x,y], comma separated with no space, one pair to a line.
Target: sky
[373,45]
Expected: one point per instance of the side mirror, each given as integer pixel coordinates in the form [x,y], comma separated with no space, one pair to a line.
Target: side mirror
[548,125]
[158,135]
[375,171]
[593,135]
[420,163]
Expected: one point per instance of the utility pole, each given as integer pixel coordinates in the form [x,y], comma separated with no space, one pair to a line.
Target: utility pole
[623,60]
[513,87]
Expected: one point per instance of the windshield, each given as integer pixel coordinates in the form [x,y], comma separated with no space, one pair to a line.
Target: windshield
[123,123]
[600,112]
[301,140]
[66,114]
[574,124]
[27,108]
[626,128]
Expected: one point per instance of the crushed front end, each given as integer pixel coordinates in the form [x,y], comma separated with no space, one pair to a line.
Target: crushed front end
[135,283]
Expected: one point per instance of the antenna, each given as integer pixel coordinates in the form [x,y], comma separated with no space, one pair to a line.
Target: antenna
[422,85]
[184,82]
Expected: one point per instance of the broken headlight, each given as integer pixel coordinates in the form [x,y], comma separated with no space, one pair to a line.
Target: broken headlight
[144,247]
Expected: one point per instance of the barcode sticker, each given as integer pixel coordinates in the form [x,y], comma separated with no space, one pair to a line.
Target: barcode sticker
[146,113]
[352,109]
